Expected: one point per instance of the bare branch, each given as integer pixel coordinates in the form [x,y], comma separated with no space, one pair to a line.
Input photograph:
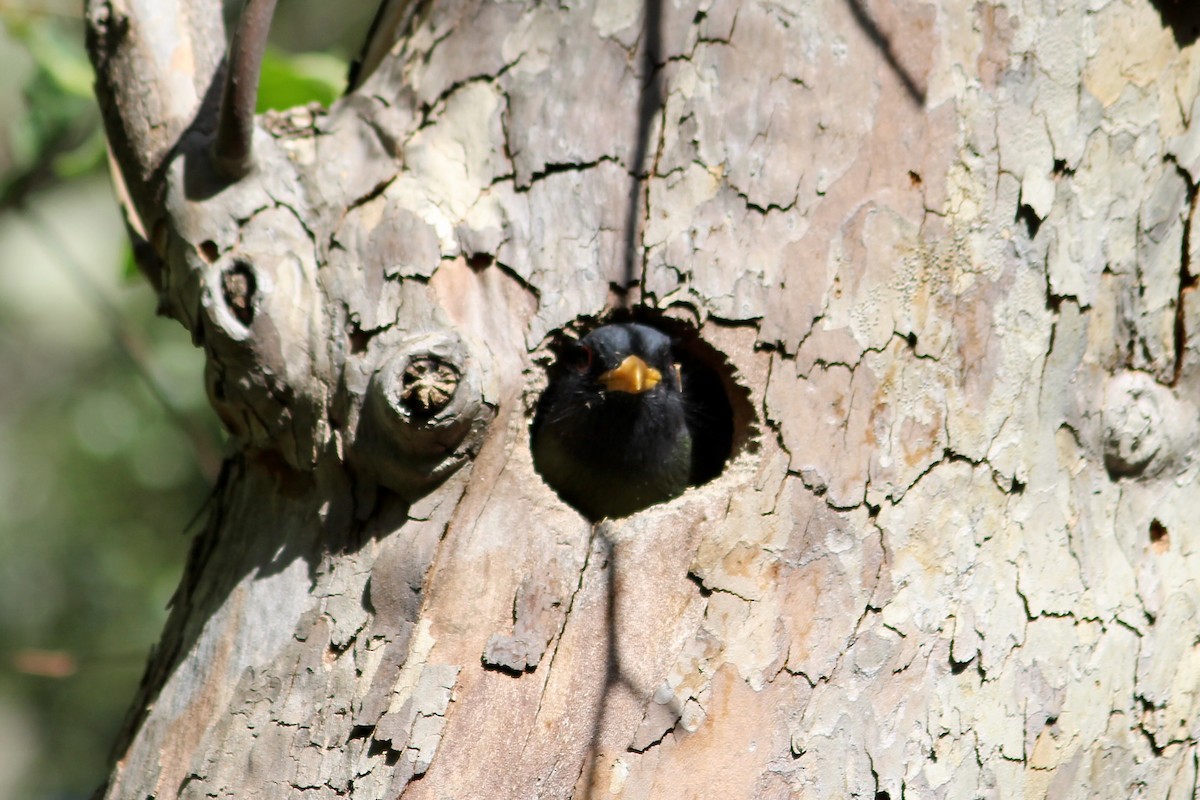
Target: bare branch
[155,68]
[391,20]
[233,149]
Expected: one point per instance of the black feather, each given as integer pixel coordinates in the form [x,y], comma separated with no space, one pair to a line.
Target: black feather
[611,454]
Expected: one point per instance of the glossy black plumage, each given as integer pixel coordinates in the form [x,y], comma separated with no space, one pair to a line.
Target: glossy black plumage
[612,434]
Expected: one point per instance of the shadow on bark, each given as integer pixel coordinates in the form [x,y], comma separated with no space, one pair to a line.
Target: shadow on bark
[650,104]
[915,92]
[613,674]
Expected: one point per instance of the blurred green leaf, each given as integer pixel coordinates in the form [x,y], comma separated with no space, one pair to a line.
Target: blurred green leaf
[58,135]
[89,155]
[57,55]
[294,80]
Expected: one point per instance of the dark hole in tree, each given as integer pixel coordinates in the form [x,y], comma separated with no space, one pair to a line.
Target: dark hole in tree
[382,748]
[480,261]
[359,339]
[583,437]
[1182,17]
[1160,537]
[209,251]
[238,287]
[1029,217]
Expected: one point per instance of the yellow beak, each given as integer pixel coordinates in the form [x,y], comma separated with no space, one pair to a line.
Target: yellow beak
[634,376]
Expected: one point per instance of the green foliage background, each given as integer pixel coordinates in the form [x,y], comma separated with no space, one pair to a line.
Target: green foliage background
[107,446]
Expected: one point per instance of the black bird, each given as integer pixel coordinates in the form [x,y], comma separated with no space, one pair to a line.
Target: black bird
[612,434]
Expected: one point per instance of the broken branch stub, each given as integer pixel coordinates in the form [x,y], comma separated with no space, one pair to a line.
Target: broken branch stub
[423,417]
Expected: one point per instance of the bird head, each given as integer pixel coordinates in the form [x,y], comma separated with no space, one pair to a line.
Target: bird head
[623,361]
[611,431]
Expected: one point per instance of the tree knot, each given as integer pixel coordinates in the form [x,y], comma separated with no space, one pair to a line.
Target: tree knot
[427,385]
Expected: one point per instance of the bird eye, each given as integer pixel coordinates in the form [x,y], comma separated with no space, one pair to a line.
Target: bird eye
[581,358]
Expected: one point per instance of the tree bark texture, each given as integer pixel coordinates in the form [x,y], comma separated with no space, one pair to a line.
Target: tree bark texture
[945,249]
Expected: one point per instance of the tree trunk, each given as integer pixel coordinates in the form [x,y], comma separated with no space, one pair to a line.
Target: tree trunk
[942,252]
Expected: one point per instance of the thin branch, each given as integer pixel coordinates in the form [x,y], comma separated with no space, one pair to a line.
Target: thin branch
[391,21]
[233,149]
[157,68]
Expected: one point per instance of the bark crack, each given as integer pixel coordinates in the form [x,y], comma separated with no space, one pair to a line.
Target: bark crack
[1187,281]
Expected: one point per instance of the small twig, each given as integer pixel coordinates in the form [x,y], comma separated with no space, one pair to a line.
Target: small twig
[233,149]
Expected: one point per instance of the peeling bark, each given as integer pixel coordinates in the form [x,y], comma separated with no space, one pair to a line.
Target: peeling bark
[947,252]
